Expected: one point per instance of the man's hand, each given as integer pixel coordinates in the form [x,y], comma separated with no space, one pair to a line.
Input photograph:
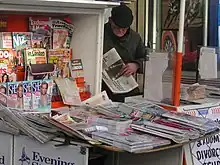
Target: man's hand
[129,69]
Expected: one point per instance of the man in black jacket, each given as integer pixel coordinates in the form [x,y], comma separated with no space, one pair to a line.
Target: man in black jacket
[128,43]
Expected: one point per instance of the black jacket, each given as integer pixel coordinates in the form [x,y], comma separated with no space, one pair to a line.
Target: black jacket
[130,48]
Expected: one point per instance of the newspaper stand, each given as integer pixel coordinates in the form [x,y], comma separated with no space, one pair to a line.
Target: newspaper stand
[87,43]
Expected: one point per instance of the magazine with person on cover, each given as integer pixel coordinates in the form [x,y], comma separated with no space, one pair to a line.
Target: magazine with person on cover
[7,65]
[46,88]
[60,38]
[12,92]
[27,95]
[60,58]
[36,94]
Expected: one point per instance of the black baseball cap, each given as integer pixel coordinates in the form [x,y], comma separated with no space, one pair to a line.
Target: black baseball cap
[122,16]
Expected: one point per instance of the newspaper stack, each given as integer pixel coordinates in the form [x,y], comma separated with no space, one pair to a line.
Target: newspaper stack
[34,127]
[131,142]
[192,92]
[153,119]
[112,68]
[6,127]
[213,92]
[150,108]
[168,130]
[118,125]
[204,125]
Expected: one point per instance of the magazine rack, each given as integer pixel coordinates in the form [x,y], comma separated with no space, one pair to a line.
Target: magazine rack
[87,17]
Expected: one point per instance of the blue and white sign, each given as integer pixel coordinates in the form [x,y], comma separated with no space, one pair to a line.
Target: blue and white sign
[30,152]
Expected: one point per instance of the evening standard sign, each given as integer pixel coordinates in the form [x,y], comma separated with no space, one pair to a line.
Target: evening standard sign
[36,158]
[6,143]
[29,152]
[206,151]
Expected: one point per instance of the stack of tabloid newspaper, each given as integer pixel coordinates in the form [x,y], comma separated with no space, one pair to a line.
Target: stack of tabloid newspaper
[111,74]
[152,119]
[131,142]
[29,124]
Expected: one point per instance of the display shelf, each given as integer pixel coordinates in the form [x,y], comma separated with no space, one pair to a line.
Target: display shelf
[13,4]
[87,17]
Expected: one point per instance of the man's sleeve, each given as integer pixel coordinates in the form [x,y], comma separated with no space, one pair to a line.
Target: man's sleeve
[140,55]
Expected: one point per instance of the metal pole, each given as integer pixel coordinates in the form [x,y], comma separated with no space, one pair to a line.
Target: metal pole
[154,24]
[178,57]
[205,28]
[146,21]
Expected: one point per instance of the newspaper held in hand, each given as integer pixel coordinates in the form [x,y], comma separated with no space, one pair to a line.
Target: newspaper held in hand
[112,66]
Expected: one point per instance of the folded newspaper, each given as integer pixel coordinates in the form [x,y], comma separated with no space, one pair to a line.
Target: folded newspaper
[111,73]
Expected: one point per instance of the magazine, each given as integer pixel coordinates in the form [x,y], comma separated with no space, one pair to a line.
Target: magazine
[60,38]
[37,41]
[27,94]
[36,94]
[21,40]
[40,26]
[12,92]
[5,40]
[112,66]
[76,68]
[69,91]
[36,23]
[59,24]
[36,56]
[46,96]
[7,65]
[60,58]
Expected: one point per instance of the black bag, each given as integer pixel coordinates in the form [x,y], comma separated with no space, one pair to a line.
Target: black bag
[39,71]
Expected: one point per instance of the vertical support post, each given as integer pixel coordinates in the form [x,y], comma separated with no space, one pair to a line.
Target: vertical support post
[159,27]
[154,23]
[178,58]
[205,28]
[146,21]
